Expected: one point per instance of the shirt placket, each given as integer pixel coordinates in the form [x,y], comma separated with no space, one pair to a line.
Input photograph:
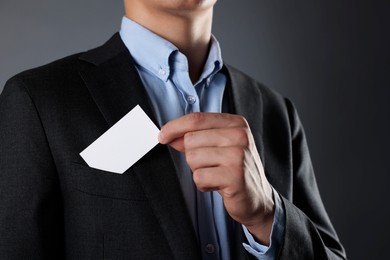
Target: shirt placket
[207,233]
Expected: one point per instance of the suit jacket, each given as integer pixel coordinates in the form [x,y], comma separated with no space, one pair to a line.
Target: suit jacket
[53,206]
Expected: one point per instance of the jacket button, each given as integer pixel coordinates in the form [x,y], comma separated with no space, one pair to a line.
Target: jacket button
[210,249]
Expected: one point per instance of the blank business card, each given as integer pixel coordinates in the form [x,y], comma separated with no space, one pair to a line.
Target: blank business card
[123,144]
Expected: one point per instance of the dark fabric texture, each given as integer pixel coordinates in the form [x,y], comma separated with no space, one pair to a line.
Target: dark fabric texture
[53,206]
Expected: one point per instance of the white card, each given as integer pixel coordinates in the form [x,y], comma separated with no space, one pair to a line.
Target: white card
[123,144]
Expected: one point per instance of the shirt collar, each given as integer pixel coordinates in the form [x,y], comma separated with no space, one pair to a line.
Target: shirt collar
[161,57]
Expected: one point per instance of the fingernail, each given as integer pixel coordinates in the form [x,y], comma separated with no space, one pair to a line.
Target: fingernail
[160,137]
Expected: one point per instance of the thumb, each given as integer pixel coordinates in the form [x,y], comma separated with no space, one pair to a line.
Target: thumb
[178,144]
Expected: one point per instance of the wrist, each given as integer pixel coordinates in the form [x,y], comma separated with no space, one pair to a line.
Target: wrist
[261,229]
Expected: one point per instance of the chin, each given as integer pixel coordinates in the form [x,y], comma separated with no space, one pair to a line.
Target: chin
[191,4]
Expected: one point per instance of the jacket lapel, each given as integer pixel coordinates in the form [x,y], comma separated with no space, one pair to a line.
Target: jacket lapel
[245,99]
[116,88]
[113,81]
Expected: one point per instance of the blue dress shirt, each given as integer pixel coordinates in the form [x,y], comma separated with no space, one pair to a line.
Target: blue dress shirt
[165,74]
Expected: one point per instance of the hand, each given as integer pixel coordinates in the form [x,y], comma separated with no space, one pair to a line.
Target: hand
[222,155]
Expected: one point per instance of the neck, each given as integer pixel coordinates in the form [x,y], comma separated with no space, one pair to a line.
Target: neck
[190,33]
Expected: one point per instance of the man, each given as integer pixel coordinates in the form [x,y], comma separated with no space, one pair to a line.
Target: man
[232,185]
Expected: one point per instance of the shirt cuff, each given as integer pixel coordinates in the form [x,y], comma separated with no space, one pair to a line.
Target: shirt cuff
[268,252]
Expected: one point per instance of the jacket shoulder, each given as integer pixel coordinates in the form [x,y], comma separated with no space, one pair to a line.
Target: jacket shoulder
[54,73]
[66,70]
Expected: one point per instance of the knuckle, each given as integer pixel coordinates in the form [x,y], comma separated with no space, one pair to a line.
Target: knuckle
[242,136]
[203,189]
[197,176]
[230,193]
[238,161]
[238,153]
[196,118]
[221,116]
[242,120]
[190,156]
[188,138]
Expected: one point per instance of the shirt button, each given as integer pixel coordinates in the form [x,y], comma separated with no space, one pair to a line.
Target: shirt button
[210,249]
[162,72]
[208,81]
[191,99]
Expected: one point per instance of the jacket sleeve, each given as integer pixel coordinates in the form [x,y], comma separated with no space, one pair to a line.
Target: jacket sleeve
[31,224]
[309,233]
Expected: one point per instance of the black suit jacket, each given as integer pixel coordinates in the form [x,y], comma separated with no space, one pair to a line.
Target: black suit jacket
[52,205]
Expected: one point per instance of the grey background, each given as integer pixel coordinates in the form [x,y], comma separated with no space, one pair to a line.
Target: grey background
[331,57]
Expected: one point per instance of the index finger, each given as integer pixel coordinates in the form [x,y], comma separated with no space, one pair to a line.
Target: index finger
[198,121]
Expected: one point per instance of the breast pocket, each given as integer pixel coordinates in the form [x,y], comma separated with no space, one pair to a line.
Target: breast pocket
[83,178]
